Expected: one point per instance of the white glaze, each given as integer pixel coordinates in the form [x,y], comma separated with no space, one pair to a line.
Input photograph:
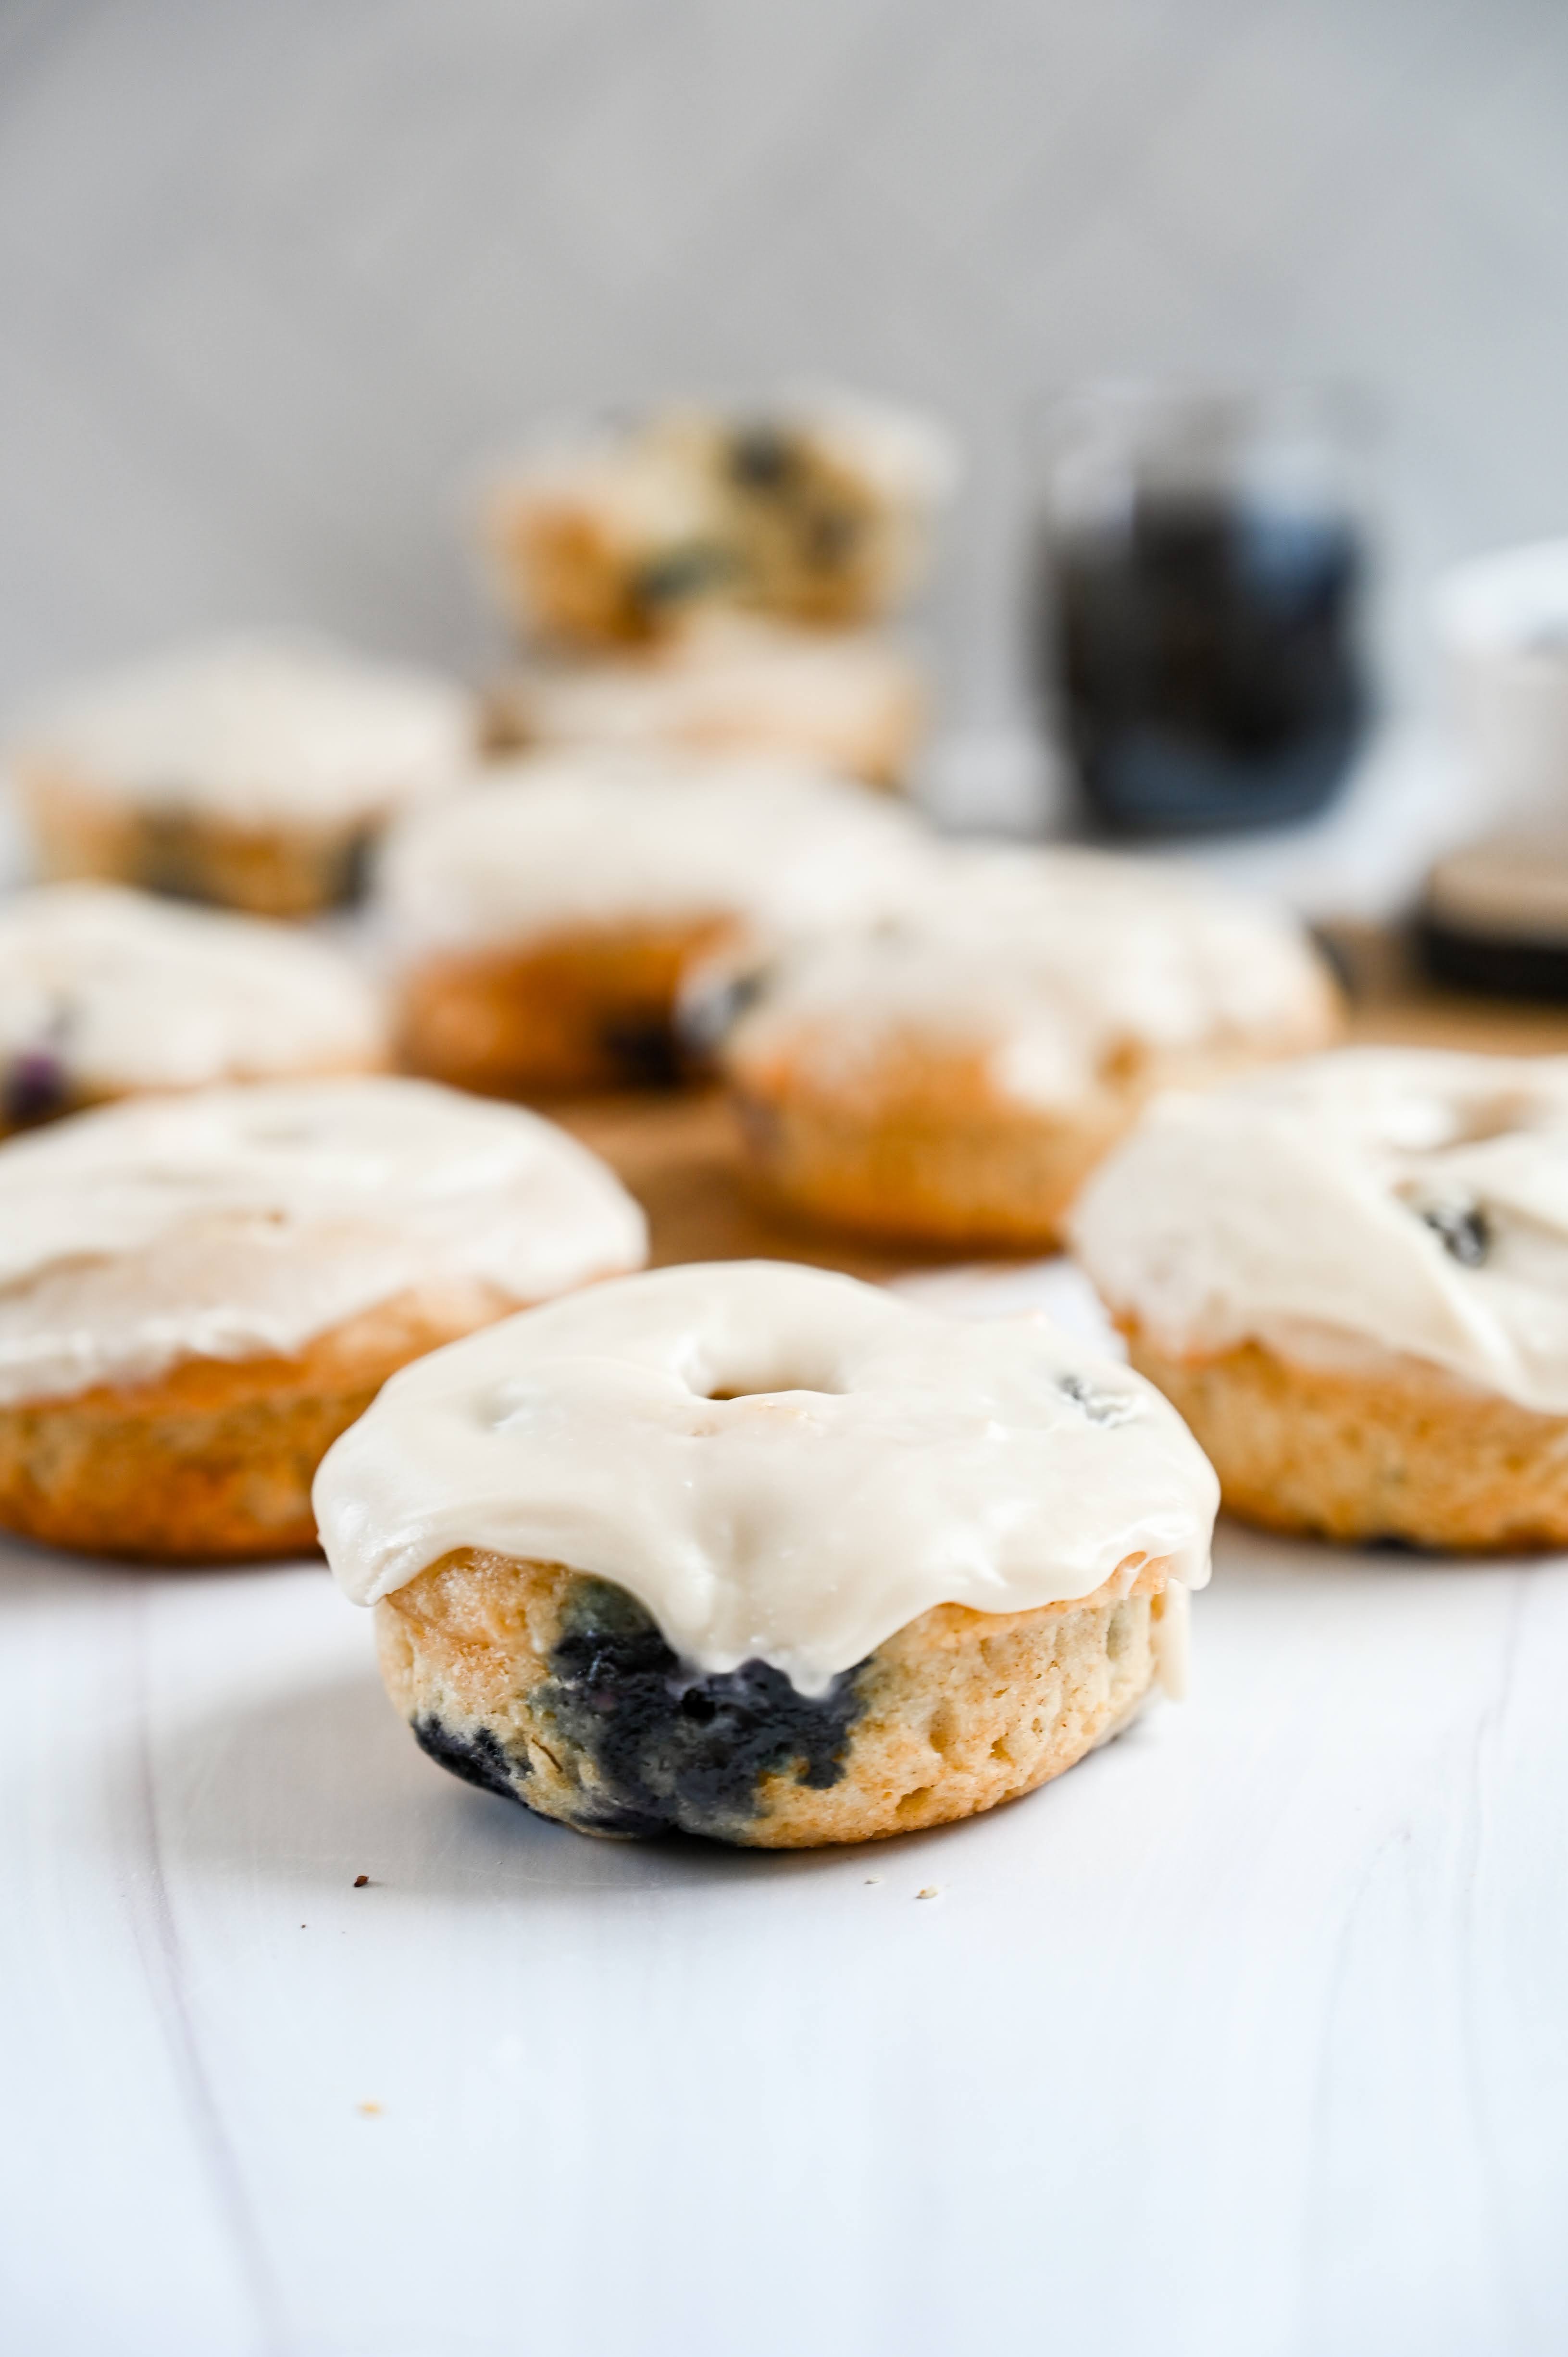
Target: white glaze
[883,1458]
[587,839]
[1046,961]
[124,992]
[1288,1210]
[237,1222]
[256,730]
[728,681]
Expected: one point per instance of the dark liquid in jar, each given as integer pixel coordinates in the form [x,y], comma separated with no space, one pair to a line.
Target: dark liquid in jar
[1203,662]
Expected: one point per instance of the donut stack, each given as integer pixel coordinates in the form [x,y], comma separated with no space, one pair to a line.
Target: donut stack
[712,580]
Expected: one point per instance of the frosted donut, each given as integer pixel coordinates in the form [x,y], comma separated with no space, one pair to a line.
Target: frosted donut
[816,511]
[251,771]
[546,922]
[764,1553]
[845,700]
[952,1076]
[106,993]
[197,1293]
[1351,1277]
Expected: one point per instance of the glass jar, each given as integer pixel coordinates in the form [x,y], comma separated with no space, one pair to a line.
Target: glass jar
[1199,577]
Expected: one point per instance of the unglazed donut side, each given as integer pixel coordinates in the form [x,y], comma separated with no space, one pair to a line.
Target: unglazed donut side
[586,1008]
[212,1461]
[1408,1453]
[557,1690]
[282,870]
[940,1155]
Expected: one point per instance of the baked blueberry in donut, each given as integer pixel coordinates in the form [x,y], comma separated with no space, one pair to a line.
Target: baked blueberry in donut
[476,1757]
[762,458]
[644,1055]
[680,574]
[1462,1228]
[36,1087]
[661,1748]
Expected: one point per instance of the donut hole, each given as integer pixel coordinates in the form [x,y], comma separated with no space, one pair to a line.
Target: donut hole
[768,1391]
[1488,1117]
[763,1378]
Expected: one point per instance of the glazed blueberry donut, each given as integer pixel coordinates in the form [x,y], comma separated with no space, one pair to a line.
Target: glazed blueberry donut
[250,771]
[848,701]
[198,1293]
[764,1553]
[952,1076]
[816,511]
[1351,1277]
[546,922]
[107,993]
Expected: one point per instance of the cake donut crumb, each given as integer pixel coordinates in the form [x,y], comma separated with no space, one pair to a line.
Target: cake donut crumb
[863,1569]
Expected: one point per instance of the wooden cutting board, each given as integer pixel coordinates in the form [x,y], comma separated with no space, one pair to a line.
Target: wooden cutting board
[680,1157]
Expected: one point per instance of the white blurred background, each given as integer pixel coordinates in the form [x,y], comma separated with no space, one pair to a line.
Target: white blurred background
[274,275]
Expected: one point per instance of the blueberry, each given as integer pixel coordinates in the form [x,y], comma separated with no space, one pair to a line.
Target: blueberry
[672,1747]
[644,1050]
[761,458]
[680,573]
[35,1087]
[1462,1228]
[708,1015]
[1099,1407]
[478,1758]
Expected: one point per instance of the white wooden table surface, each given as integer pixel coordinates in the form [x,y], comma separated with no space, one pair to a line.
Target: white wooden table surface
[1248,2036]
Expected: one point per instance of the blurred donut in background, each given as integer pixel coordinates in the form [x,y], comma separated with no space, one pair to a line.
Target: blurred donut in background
[252,771]
[108,993]
[543,924]
[954,1076]
[817,509]
[849,701]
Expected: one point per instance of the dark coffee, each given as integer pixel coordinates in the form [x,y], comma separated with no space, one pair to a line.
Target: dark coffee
[1202,661]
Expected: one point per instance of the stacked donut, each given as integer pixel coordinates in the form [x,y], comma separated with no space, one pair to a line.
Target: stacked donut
[710,579]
